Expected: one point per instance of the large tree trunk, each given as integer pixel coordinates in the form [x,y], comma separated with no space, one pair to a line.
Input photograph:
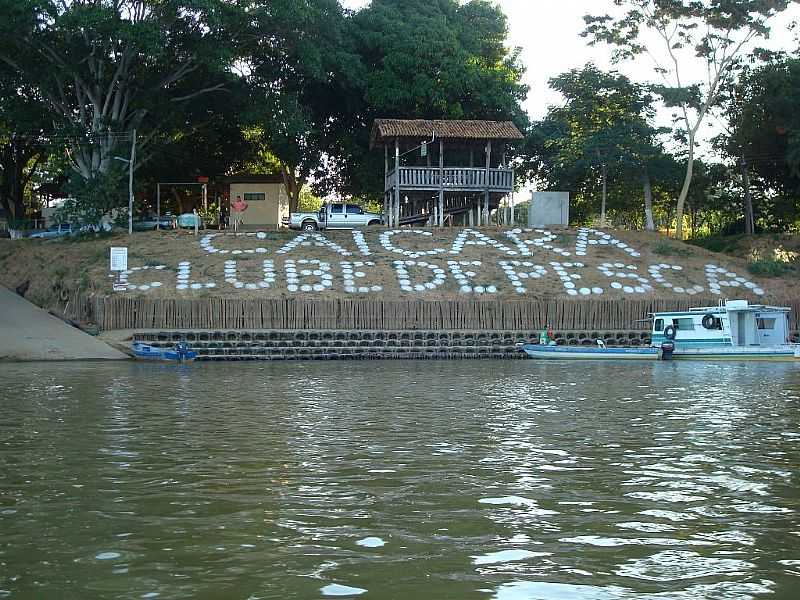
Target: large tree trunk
[16,171]
[293,185]
[649,224]
[687,181]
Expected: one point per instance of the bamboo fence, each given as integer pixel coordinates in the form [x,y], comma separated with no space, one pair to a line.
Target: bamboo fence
[117,312]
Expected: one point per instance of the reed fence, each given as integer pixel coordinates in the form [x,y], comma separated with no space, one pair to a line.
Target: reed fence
[119,312]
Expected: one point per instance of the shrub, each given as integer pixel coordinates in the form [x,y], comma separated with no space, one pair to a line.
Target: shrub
[769,267]
[668,249]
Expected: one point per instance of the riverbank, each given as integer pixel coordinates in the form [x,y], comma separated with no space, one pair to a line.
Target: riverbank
[27,333]
[449,279]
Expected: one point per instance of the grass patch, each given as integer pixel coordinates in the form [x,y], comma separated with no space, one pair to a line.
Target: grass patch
[728,244]
[668,249]
[769,267]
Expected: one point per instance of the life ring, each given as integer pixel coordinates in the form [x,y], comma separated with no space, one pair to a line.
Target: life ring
[709,322]
[669,332]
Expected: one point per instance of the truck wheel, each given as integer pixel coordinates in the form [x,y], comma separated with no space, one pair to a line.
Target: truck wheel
[373,222]
[309,226]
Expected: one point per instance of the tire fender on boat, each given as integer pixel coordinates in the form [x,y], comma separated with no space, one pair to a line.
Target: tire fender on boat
[708,321]
[669,332]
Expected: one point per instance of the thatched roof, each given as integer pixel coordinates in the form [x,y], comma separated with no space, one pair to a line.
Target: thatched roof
[384,129]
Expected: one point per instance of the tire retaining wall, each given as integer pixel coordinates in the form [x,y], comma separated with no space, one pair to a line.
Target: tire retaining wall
[372,345]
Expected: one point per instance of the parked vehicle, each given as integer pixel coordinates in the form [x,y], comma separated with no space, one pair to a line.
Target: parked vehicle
[152,222]
[55,231]
[333,216]
[188,220]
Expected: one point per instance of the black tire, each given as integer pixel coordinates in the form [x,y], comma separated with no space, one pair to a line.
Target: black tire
[669,332]
[709,322]
[308,226]
[373,223]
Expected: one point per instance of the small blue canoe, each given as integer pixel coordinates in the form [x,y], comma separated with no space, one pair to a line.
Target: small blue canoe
[593,352]
[181,352]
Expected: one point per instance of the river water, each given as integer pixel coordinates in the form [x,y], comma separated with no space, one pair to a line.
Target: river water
[510,480]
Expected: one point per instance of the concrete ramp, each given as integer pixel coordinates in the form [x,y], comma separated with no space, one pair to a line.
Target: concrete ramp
[29,333]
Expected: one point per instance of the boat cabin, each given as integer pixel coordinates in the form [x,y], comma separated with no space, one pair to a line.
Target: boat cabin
[734,323]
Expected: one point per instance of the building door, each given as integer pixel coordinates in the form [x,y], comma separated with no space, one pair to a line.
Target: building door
[741,329]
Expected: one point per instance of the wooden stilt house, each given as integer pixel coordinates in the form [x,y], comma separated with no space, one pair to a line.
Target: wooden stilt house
[440,173]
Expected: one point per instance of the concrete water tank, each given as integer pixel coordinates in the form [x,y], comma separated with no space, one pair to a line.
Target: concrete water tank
[548,208]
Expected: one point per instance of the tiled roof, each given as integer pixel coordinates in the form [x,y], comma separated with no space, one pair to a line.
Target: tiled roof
[454,130]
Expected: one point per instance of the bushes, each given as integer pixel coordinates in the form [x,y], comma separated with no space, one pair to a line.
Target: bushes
[670,249]
[769,267]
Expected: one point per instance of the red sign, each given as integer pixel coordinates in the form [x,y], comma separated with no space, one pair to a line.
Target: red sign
[202,180]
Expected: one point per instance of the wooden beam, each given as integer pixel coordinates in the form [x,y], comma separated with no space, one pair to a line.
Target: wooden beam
[440,215]
[485,217]
[396,217]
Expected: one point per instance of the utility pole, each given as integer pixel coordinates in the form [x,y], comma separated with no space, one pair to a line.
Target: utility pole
[130,184]
[749,217]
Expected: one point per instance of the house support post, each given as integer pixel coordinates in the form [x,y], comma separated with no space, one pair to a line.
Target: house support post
[440,212]
[396,216]
[486,193]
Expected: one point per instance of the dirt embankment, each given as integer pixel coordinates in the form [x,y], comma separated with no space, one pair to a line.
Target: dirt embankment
[486,263]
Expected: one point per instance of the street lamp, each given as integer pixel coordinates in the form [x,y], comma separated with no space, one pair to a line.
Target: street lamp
[130,181]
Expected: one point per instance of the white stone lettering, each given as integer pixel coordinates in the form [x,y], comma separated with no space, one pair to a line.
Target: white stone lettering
[542,242]
[479,239]
[266,278]
[385,240]
[520,272]
[185,281]
[297,271]
[352,271]
[401,268]
[720,277]
[312,239]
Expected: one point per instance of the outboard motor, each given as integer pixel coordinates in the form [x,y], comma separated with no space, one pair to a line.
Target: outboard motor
[667,349]
[182,348]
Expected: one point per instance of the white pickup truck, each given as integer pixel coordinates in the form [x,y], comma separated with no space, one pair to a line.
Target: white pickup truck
[333,216]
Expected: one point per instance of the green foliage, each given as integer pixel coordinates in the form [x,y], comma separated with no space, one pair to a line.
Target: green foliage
[93,199]
[604,122]
[769,267]
[718,243]
[764,132]
[439,59]
[713,35]
[664,248]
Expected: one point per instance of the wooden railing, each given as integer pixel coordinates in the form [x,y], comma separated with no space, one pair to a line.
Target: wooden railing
[453,178]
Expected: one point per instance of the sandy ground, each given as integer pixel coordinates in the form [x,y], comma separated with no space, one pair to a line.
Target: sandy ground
[55,269]
[29,333]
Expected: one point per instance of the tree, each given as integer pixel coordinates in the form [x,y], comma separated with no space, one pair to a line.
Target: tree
[299,69]
[429,59]
[23,148]
[763,139]
[110,66]
[601,133]
[715,33]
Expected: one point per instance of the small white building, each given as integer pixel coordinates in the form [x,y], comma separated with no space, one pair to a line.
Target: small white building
[266,198]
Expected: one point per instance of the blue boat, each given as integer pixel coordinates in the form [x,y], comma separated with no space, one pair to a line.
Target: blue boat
[180,353]
[601,351]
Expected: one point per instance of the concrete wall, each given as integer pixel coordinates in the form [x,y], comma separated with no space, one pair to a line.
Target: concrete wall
[548,208]
[267,212]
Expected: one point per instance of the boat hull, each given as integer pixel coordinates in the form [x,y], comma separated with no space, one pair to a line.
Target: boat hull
[147,352]
[589,352]
[788,353]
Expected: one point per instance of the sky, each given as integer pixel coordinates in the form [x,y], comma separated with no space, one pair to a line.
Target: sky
[548,31]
